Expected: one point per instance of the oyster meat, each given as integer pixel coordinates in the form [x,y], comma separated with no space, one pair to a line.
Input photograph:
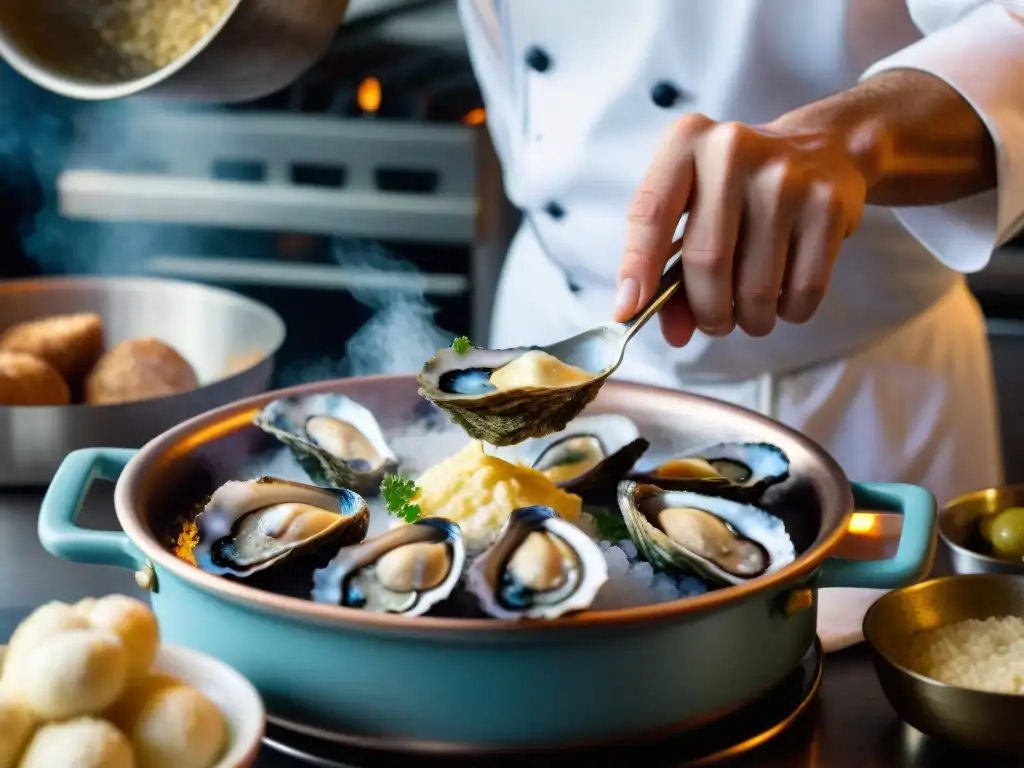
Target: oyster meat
[745,469]
[335,439]
[248,526]
[541,567]
[722,540]
[407,570]
[506,396]
[590,456]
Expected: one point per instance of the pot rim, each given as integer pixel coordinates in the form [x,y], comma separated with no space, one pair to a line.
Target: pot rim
[195,431]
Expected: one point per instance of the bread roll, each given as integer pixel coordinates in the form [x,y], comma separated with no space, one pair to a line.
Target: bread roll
[138,369]
[71,344]
[16,726]
[133,623]
[44,623]
[27,380]
[178,726]
[78,672]
[82,743]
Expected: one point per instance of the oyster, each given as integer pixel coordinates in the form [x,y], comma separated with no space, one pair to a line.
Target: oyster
[541,567]
[744,469]
[407,570]
[461,385]
[336,440]
[590,456]
[248,526]
[722,540]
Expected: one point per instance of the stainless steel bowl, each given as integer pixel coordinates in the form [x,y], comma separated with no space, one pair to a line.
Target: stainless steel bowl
[257,48]
[958,528]
[973,719]
[229,339]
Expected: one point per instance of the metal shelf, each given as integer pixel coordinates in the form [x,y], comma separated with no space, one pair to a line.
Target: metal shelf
[185,148]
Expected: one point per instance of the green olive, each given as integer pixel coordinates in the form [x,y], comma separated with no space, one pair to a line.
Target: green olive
[985,527]
[1007,533]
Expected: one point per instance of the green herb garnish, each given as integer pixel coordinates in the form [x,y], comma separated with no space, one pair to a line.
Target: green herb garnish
[611,527]
[461,345]
[398,491]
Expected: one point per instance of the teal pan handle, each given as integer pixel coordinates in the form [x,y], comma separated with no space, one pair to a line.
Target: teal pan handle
[58,531]
[916,550]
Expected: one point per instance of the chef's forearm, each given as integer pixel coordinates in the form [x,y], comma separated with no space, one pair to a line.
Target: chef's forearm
[916,139]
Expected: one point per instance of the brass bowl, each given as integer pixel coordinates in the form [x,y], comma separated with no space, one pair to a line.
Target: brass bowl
[958,528]
[969,718]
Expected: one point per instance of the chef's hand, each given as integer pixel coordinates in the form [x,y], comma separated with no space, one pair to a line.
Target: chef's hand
[768,208]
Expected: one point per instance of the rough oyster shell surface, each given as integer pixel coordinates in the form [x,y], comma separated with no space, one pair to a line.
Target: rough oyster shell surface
[248,526]
[725,541]
[503,417]
[541,567]
[406,570]
[319,428]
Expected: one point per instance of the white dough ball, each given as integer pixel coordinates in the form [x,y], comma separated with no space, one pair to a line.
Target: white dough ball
[41,625]
[79,672]
[178,726]
[83,743]
[134,623]
[16,726]
[84,606]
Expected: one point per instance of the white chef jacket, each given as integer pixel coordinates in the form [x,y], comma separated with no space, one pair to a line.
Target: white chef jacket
[893,375]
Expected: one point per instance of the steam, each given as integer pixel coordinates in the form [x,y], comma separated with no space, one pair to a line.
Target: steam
[398,338]
[40,137]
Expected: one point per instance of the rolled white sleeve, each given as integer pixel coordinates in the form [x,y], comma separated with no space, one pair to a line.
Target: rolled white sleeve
[978,49]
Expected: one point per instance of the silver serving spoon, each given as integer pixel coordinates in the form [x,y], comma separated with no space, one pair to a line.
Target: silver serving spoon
[506,417]
[599,350]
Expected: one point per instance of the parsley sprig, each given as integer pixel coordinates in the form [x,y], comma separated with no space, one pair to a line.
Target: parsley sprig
[610,527]
[461,345]
[398,491]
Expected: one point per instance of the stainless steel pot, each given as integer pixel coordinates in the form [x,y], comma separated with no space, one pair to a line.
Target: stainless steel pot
[257,48]
[428,683]
[215,330]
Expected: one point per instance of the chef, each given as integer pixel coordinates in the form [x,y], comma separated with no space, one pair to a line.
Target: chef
[837,165]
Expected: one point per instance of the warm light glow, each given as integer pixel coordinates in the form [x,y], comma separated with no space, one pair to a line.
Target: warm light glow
[862,522]
[369,95]
[475,116]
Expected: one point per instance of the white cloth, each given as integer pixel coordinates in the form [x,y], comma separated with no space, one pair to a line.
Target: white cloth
[892,376]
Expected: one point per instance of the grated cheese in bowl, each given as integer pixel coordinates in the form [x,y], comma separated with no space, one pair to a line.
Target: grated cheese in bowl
[981,654]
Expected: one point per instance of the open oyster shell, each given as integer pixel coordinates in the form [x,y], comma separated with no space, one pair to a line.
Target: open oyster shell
[739,470]
[459,384]
[541,567]
[249,526]
[336,440]
[722,540]
[589,457]
[407,570]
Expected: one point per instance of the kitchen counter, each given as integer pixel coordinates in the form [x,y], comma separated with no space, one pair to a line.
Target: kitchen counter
[850,725]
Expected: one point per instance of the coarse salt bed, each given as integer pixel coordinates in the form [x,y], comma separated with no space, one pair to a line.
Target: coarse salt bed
[983,654]
[632,582]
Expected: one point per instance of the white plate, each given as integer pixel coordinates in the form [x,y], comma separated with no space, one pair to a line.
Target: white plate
[233,694]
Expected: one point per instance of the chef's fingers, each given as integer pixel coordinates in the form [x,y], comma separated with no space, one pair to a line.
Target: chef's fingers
[816,242]
[658,205]
[677,323]
[773,203]
[712,231]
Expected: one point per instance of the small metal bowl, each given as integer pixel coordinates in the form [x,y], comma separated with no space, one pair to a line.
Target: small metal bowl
[958,529]
[973,719]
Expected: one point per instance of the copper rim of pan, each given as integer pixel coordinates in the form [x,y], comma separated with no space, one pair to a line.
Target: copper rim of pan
[228,419]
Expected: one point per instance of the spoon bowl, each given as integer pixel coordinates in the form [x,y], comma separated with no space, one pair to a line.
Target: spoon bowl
[458,382]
